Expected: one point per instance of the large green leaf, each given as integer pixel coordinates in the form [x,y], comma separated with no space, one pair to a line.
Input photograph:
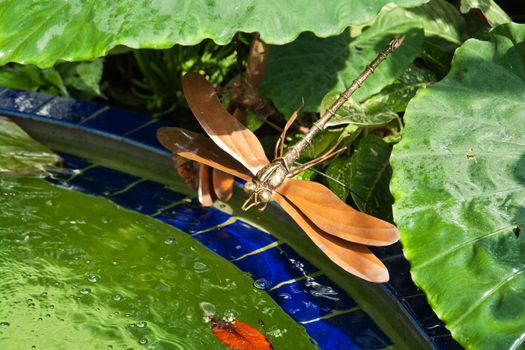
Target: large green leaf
[21,154]
[310,67]
[459,179]
[42,32]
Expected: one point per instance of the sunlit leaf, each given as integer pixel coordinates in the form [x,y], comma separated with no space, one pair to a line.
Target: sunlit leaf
[370,177]
[19,153]
[459,179]
[310,67]
[42,32]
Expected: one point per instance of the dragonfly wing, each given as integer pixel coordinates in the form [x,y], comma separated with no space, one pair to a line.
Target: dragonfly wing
[223,128]
[206,195]
[352,257]
[335,217]
[201,149]
[222,184]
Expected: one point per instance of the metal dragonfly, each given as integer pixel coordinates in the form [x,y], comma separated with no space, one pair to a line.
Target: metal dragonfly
[340,231]
[215,184]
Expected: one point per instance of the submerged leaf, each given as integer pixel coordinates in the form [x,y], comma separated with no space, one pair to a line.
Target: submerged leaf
[459,179]
[19,153]
[237,335]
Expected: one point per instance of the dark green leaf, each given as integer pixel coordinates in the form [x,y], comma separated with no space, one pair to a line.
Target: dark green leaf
[310,67]
[395,97]
[459,179]
[341,170]
[371,173]
[354,113]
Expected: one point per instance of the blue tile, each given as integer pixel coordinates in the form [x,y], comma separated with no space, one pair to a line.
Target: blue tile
[101,181]
[235,240]
[116,121]
[70,165]
[423,313]
[446,342]
[311,298]
[148,134]
[192,217]
[275,265]
[73,162]
[354,330]
[147,197]
[400,282]
[22,101]
[67,109]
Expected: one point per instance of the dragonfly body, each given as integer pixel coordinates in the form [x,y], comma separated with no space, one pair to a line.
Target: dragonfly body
[341,232]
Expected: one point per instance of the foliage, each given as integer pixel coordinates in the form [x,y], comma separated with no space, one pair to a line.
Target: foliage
[81,80]
[458,181]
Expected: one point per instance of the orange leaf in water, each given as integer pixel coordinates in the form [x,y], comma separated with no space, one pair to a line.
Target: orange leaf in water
[238,335]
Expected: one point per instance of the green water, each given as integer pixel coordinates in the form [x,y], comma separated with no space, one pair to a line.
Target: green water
[78,272]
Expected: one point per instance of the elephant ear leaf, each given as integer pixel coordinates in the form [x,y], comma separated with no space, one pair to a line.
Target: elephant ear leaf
[43,32]
[459,182]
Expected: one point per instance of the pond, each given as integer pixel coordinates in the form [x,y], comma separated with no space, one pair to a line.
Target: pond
[78,269]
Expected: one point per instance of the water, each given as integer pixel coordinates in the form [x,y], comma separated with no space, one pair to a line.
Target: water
[78,272]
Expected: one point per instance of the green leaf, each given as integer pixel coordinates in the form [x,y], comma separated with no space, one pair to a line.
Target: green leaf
[32,79]
[354,113]
[19,153]
[371,173]
[341,170]
[310,67]
[252,122]
[42,32]
[441,20]
[445,29]
[83,78]
[308,174]
[492,12]
[459,179]
[320,143]
[396,96]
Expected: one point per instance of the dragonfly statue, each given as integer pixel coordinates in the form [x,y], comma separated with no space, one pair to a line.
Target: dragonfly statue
[213,184]
[340,231]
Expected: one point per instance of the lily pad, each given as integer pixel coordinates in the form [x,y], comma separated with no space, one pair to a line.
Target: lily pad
[19,153]
[459,179]
[42,32]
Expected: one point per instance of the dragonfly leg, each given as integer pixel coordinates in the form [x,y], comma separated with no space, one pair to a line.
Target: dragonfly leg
[279,146]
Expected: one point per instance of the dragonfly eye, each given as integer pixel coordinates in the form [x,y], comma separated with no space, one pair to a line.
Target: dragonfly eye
[265,196]
[249,187]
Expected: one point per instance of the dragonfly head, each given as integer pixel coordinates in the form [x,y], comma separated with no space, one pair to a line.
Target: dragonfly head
[258,194]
